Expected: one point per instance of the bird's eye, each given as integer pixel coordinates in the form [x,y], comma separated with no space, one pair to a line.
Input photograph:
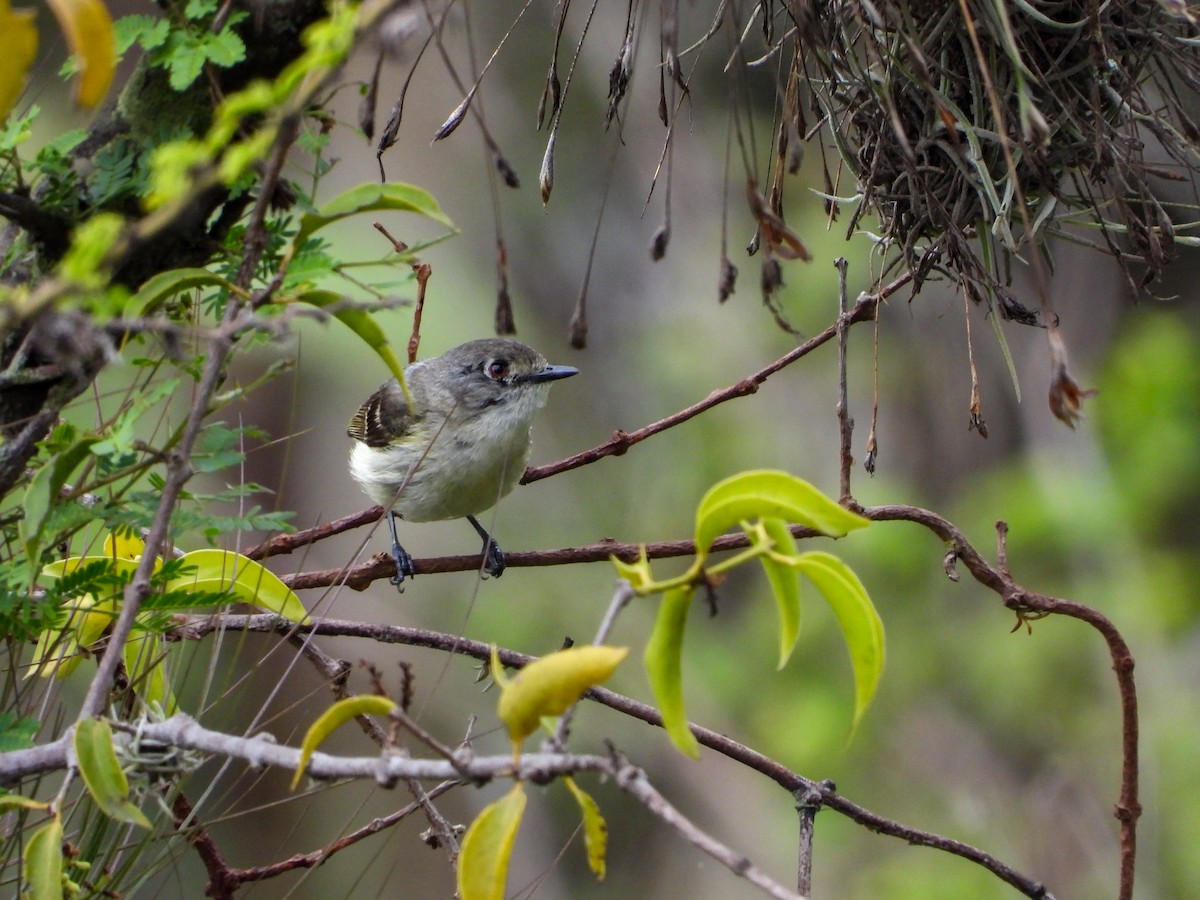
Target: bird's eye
[497,369]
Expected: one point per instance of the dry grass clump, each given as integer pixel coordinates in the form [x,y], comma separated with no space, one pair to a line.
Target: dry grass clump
[977,128]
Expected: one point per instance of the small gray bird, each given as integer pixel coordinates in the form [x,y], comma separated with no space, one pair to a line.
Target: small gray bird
[461,447]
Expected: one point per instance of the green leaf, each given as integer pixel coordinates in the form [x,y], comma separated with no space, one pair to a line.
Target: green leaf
[768,494]
[101,771]
[43,491]
[861,625]
[224,570]
[548,686]
[162,287]
[335,717]
[16,733]
[595,829]
[362,323]
[371,197]
[785,584]
[487,847]
[43,862]
[145,663]
[664,665]
[9,802]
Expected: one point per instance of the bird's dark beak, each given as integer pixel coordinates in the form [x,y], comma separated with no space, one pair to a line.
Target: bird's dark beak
[550,373]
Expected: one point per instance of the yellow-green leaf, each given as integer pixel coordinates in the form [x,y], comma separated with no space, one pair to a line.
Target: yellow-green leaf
[371,197]
[861,625]
[43,490]
[548,686]
[595,829]
[89,32]
[16,801]
[56,653]
[58,650]
[334,718]
[43,862]
[664,667]
[145,663]
[101,771]
[362,323]
[162,287]
[785,584]
[768,494]
[487,847]
[224,570]
[20,49]
[636,573]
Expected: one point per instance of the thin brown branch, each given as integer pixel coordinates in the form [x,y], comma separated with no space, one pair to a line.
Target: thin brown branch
[318,857]
[621,441]
[381,565]
[286,543]
[1028,604]
[845,423]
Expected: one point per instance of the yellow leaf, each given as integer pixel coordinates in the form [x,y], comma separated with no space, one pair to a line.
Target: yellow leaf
[20,48]
[487,847]
[333,718]
[123,545]
[89,32]
[224,570]
[595,829]
[548,686]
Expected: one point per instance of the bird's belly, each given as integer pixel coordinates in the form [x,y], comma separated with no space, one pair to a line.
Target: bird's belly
[450,482]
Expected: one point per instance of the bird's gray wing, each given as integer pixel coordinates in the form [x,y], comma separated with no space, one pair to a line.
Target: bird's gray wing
[383,418]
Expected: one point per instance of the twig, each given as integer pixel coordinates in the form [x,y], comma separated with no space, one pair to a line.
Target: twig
[845,423]
[633,781]
[621,441]
[808,804]
[381,565]
[286,543]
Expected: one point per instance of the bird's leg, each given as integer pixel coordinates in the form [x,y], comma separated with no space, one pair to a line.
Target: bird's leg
[492,554]
[404,562]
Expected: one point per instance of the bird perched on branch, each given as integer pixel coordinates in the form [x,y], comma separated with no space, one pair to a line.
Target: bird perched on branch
[456,443]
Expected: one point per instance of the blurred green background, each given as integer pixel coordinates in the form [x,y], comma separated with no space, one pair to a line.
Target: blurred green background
[1000,738]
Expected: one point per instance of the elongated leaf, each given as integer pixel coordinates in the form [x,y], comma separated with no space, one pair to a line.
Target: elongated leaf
[165,285]
[370,197]
[487,847]
[20,49]
[43,862]
[785,585]
[362,323]
[861,625]
[769,494]
[548,686]
[333,719]
[89,32]
[664,667]
[61,567]
[595,829]
[224,570]
[101,771]
[43,490]
[146,664]
[9,802]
